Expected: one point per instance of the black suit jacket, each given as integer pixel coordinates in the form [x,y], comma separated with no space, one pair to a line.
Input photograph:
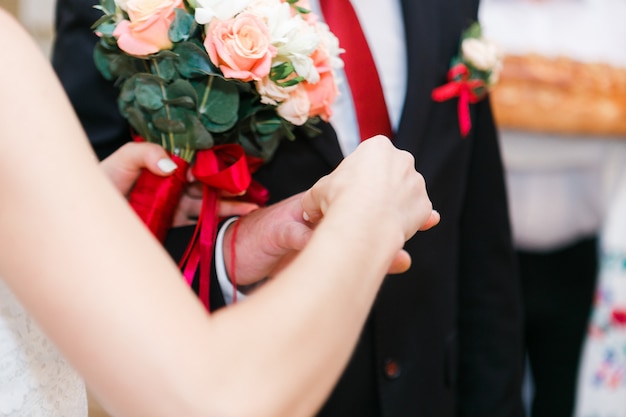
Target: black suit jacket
[443,339]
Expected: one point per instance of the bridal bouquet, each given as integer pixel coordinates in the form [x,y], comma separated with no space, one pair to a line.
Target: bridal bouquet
[218,84]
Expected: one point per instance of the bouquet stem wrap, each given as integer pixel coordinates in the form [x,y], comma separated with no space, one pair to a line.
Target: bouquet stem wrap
[155,198]
[221,168]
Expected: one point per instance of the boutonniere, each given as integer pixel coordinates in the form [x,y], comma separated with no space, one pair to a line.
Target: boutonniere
[473,72]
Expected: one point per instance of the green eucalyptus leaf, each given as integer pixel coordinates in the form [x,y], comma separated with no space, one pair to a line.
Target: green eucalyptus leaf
[149,91]
[248,106]
[137,120]
[127,95]
[166,69]
[110,44]
[164,53]
[267,126]
[201,137]
[104,19]
[193,61]
[102,61]
[218,100]
[106,30]
[261,146]
[124,66]
[107,6]
[186,102]
[182,26]
[171,120]
[214,127]
[168,125]
[182,89]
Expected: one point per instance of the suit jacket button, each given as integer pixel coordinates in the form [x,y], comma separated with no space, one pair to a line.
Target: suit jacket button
[391,369]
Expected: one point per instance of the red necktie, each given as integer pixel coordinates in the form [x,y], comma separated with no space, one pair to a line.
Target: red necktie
[367,93]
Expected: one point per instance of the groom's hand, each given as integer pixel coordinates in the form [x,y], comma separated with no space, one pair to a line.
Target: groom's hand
[266,239]
[190,205]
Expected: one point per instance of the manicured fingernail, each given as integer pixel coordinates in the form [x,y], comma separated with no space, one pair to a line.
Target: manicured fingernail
[305,216]
[166,165]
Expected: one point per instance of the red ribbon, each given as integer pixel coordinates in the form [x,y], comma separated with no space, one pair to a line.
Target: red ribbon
[460,85]
[221,168]
[155,198]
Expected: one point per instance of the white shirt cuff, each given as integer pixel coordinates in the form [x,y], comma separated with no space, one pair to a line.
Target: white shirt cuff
[220,268]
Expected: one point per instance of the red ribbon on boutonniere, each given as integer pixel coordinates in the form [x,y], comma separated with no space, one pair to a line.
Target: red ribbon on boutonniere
[472,73]
[220,168]
[468,91]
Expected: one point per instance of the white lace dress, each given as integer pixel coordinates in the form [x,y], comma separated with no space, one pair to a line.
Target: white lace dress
[35,381]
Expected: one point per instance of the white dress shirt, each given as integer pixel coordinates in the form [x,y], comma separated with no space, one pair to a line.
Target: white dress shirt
[383,27]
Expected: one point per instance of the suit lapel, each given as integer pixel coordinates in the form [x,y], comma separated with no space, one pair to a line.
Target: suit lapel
[424,71]
[327,144]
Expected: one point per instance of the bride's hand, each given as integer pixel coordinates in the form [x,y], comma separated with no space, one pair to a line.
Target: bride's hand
[124,166]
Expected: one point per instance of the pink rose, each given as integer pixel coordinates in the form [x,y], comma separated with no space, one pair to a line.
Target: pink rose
[240,47]
[147,30]
[296,108]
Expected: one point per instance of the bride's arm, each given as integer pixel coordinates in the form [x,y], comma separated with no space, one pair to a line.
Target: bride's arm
[112,300]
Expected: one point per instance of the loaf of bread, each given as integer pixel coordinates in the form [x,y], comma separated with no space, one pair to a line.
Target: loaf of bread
[560,95]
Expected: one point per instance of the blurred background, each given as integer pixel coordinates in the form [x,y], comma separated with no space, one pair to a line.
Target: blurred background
[37,16]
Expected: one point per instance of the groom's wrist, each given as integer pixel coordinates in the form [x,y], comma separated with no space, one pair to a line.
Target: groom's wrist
[229,257]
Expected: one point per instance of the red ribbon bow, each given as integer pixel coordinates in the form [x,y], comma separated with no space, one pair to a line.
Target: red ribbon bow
[460,85]
[221,168]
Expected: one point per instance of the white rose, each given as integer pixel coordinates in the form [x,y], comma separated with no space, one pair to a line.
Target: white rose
[296,108]
[272,93]
[121,4]
[295,39]
[331,43]
[481,53]
[207,10]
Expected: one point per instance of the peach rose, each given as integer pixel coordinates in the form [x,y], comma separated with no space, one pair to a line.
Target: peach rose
[240,47]
[146,31]
[322,93]
[296,108]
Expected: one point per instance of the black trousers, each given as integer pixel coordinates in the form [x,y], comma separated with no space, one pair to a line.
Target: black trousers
[558,289]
